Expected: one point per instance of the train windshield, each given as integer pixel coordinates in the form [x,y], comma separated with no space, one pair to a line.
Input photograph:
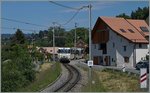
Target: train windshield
[63,50]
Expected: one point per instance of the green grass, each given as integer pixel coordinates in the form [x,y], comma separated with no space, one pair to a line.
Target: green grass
[116,81]
[94,87]
[43,79]
[108,80]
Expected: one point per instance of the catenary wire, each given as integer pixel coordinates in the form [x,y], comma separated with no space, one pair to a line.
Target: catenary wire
[77,11]
[64,5]
[14,28]
[13,20]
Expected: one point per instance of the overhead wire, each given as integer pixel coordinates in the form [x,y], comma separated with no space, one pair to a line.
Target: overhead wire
[64,5]
[13,20]
[14,28]
[77,11]
[71,18]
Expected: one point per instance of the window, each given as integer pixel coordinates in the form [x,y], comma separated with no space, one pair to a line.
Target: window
[131,30]
[126,59]
[140,45]
[124,48]
[94,46]
[113,44]
[69,51]
[102,47]
[99,47]
[144,29]
[122,30]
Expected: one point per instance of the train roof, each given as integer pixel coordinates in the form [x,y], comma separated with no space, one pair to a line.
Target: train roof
[64,48]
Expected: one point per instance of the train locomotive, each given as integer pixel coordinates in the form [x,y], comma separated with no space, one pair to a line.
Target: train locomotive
[66,54]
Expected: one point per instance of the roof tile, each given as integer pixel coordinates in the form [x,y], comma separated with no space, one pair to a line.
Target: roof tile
[120,23]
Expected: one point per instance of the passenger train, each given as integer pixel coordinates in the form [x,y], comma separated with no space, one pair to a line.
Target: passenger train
[70,53]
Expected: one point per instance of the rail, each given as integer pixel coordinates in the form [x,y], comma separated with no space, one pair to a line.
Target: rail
[73,78]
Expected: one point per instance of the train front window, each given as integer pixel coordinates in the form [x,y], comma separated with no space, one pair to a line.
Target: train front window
[59,51]
[64,50]
[69,51]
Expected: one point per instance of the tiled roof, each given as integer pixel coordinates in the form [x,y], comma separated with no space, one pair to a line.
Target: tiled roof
[121,26]
[137,24]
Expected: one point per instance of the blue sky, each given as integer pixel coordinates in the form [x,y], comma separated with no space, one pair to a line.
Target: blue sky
[44,13]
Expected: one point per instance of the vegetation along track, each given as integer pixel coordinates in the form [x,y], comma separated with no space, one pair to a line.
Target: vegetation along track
[73,78]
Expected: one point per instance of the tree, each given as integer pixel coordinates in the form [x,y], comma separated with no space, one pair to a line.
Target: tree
[140,13]
[123,15]
[41,34]
[17,72]
[69,40]
[82,33]
[19,37]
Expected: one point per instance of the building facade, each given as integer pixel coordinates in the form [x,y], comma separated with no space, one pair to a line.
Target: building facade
[116,42]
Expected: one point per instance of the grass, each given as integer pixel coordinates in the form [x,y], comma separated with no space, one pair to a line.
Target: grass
[94,87]
[112,81]
[47,74]
[116,81]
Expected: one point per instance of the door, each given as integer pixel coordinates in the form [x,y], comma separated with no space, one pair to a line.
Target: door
[101,60]
[107,60]
[96,60]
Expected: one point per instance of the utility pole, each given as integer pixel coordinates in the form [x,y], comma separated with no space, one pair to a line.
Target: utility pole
[90,68]
[90,6]
[75,40]
[54,41]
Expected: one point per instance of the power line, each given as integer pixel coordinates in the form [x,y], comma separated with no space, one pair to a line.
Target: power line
[14,28]
[77,11]
[13,20]
[71,18]
[64,5]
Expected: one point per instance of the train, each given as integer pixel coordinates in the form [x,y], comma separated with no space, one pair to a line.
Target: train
[66,54]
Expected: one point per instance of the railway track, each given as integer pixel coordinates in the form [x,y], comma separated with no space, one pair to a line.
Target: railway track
[73,78]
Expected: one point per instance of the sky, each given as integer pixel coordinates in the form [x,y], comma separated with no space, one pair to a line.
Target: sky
[45,13]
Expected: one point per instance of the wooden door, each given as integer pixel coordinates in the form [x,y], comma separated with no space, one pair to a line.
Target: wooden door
[107,60]
[96,60]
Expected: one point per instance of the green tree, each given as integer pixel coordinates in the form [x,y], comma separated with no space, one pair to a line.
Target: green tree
[17,66]
[82,33]
[69,40]
[12,78]
[140,13]
[17,72]
[41,34]
[19,37]
[123,15]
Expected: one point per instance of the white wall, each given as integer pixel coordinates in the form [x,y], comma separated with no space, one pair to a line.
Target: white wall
[141,52]
[118,52]
[95,51]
